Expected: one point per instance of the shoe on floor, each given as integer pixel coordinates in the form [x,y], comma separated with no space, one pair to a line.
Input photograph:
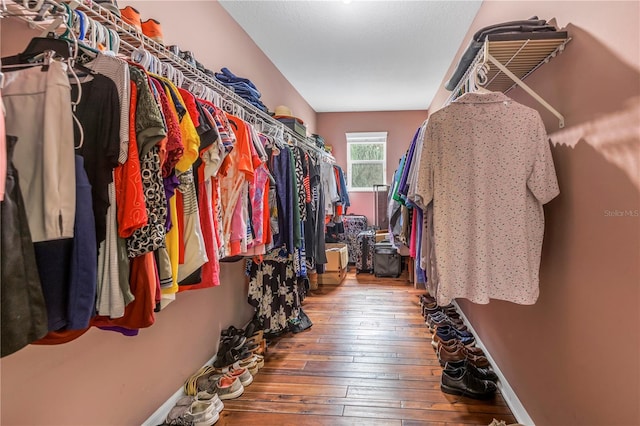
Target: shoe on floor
[459,381]
[259,360]
[212,398]
[503,423]
[460,353]
[482,373]
[250,363]
[192,383]
[202,413]
[242,374]
[178,414]
[228,387]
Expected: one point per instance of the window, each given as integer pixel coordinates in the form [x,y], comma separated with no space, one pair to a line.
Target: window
[366,160]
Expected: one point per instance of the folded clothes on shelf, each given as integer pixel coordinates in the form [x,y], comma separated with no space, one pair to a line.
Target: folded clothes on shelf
[243,87]
[531,25]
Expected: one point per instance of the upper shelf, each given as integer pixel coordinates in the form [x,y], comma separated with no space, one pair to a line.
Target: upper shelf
[511,58]
[130,41]
[522,54]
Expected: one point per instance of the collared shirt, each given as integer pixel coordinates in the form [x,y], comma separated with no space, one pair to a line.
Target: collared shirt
[486,165]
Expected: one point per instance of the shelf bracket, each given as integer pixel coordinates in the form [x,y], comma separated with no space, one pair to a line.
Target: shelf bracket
[524,87]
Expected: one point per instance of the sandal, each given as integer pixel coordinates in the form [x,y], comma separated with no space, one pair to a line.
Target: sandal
[191,385]
[231,357]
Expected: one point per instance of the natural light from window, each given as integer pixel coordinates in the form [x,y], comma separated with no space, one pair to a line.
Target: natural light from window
[366,160]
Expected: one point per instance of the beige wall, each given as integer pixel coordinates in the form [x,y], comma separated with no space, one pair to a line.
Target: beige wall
[574,357]
[400,125]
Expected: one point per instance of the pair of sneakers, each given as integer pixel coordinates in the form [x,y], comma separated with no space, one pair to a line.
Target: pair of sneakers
[227,384]
[202,410]
[151,27]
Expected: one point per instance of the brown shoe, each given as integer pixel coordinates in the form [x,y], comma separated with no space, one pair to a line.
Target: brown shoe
[460,352]
[444,355]
[477,360]
[436,340]
[453,344]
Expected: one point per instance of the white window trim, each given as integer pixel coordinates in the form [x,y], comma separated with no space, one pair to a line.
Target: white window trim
[366,138]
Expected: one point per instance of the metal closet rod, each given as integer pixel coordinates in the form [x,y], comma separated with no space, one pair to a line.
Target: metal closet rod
[129,37]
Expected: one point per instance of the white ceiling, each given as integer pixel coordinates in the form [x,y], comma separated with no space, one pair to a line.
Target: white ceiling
[359,55]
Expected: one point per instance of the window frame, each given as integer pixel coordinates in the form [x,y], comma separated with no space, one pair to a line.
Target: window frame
[367,138]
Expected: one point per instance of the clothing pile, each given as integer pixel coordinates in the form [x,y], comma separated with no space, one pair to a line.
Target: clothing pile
[242,87]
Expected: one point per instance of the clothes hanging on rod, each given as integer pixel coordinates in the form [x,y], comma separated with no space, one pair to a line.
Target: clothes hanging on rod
[22,306]
[485,170]
[406,217]
[178,186]
[44,155]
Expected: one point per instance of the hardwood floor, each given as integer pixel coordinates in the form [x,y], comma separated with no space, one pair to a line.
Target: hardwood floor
[367,360]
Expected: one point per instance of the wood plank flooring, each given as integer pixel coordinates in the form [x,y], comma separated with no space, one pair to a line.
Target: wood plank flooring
[367,360]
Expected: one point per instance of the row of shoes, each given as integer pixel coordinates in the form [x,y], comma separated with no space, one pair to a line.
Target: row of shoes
[240,357]
[467,371]
[237,344]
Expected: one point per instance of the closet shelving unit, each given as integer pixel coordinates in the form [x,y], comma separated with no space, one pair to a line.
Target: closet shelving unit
[132,41]
[512,58]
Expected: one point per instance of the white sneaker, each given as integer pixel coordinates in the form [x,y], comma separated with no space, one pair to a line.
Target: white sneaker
[213,398]
[203,413]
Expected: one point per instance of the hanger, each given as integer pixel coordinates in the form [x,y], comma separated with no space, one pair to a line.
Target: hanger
[142,57]
[40,52]
[227,105]
[478,78]
[36,48]
[260,124]
[38,10]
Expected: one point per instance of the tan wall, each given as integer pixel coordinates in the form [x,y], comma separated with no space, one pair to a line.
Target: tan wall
[574,357]
[400,125]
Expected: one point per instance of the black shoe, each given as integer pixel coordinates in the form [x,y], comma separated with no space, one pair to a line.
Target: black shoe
[231,331]
[230,357]
[461,382]
[233,342]
[482,373]
[250,330]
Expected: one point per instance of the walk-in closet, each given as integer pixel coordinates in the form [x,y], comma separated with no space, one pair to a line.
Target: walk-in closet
[319,212]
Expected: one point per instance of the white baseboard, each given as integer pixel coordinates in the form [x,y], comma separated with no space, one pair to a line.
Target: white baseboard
[160,415]
[510,397]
